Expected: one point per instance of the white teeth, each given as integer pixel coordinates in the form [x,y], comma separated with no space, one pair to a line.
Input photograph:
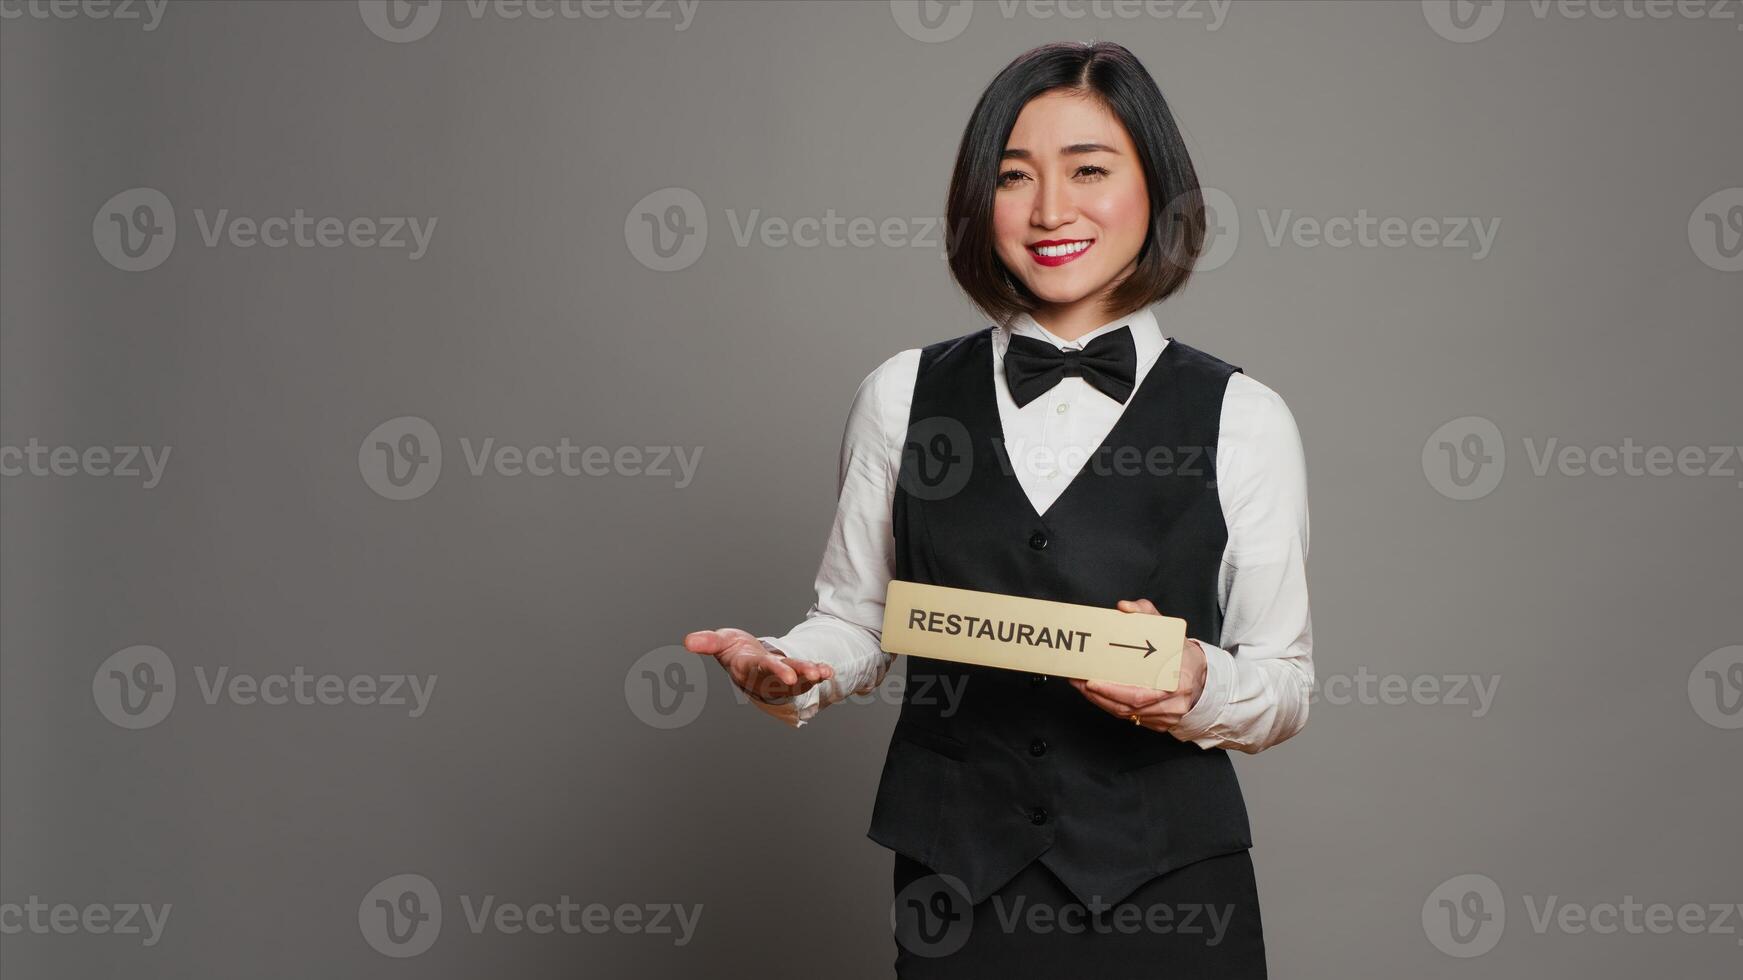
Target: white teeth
[1054,251]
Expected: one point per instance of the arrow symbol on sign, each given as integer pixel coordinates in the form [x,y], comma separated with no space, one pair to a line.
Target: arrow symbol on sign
[1148,647]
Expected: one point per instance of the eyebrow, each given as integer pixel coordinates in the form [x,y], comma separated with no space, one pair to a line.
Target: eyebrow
[1075,149]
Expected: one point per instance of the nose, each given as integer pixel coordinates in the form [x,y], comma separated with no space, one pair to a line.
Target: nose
[1053,204]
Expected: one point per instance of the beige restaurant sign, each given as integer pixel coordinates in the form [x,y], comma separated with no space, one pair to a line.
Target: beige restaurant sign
[1037,636]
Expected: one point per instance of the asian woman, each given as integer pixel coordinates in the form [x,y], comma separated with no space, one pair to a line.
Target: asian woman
[1070,450]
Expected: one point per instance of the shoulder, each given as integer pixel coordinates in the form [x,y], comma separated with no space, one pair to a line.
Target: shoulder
[1254,407]
[878,416]
[1248,404]
[1187,357]
[954,349]
[1257,438]
[892,381]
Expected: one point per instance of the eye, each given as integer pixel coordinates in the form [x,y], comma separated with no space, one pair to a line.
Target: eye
[1010,177]
[1092,171]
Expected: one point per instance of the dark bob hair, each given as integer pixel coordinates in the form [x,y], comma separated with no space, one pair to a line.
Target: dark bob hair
[1108,72]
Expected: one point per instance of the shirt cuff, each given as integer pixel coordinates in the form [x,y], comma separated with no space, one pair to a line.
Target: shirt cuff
[1219,675]
[793,711]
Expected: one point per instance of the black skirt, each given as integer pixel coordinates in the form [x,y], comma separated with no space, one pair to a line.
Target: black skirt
[1198,921]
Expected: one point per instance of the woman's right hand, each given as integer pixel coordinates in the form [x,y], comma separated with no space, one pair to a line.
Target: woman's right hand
[758,670]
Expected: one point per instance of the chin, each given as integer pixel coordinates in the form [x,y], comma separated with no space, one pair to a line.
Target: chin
[1063,291]
[1059,297]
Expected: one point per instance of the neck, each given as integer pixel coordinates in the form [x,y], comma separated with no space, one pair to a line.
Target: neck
[1070,321]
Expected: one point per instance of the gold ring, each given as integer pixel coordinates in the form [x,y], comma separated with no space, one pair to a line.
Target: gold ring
[1135,720]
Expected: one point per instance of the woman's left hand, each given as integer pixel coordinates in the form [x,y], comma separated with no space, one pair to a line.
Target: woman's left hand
[1156,710]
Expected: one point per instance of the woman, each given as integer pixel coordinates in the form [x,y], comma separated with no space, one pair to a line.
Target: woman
[1070,452]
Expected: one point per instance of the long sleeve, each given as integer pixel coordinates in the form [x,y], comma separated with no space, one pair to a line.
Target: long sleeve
[843,627]
[1259,675]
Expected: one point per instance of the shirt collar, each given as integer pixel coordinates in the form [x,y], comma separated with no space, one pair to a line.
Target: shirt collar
[1146,334]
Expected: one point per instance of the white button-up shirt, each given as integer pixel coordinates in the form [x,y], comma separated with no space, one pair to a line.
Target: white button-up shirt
[1259,672]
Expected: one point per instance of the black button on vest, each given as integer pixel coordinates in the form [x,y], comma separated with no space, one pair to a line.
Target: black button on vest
[988,769]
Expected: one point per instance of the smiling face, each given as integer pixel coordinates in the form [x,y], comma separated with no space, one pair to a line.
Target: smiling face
[1071,208]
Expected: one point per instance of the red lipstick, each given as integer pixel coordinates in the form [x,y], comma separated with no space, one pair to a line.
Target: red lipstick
[1061,247]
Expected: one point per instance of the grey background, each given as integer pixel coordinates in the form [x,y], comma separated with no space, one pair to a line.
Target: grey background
[532,775]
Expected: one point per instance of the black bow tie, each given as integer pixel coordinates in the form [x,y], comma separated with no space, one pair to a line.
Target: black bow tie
[1109,362]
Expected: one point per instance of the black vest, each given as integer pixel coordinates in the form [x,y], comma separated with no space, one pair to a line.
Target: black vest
[989,769]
